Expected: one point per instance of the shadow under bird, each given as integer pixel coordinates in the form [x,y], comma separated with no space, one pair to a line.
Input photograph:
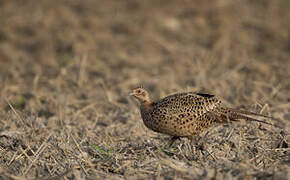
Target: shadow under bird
[187,114]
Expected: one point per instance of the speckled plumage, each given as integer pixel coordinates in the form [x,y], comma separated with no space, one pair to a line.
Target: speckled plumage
[186,114]
[182,115]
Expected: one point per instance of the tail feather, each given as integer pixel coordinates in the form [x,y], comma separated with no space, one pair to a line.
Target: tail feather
[225,115]
[241,116]
[250,113]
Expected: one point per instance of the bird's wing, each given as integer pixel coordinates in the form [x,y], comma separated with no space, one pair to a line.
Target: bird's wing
[190,113]
[189,102]
[187,105]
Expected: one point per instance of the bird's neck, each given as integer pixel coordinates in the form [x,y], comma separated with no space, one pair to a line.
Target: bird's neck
[145,108]
[145,104]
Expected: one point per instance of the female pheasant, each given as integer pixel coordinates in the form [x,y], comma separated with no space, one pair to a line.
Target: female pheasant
[186,114]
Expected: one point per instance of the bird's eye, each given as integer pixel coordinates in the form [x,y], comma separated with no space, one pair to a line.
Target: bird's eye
[138,91]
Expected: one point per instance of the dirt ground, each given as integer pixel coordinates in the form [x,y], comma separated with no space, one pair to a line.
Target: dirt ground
[67,66]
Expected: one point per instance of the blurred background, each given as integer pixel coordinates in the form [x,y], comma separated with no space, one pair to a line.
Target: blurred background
[68,65]
[164,46]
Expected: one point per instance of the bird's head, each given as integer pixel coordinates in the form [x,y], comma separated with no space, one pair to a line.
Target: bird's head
[141,94]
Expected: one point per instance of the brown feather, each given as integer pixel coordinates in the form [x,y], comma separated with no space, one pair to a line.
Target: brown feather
[187,114]
[228,114]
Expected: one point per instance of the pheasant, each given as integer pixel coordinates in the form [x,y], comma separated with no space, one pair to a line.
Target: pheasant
[187,114]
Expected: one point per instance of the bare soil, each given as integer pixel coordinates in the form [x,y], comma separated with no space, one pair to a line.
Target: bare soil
[67,66]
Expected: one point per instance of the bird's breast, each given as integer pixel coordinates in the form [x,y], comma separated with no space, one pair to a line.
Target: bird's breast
[155,119]
[146,114]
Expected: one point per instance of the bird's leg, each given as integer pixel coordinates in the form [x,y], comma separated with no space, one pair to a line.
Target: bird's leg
[199,144]
[172,140]
[196,141]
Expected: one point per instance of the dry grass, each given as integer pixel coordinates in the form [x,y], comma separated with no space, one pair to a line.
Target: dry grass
[66,68]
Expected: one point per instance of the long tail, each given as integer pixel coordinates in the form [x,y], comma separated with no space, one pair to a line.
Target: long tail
[251,113]
[224,115]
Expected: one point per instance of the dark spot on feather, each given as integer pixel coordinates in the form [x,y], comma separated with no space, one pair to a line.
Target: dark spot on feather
[205,95]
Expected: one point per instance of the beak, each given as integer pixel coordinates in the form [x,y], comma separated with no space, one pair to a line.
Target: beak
[131,94]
